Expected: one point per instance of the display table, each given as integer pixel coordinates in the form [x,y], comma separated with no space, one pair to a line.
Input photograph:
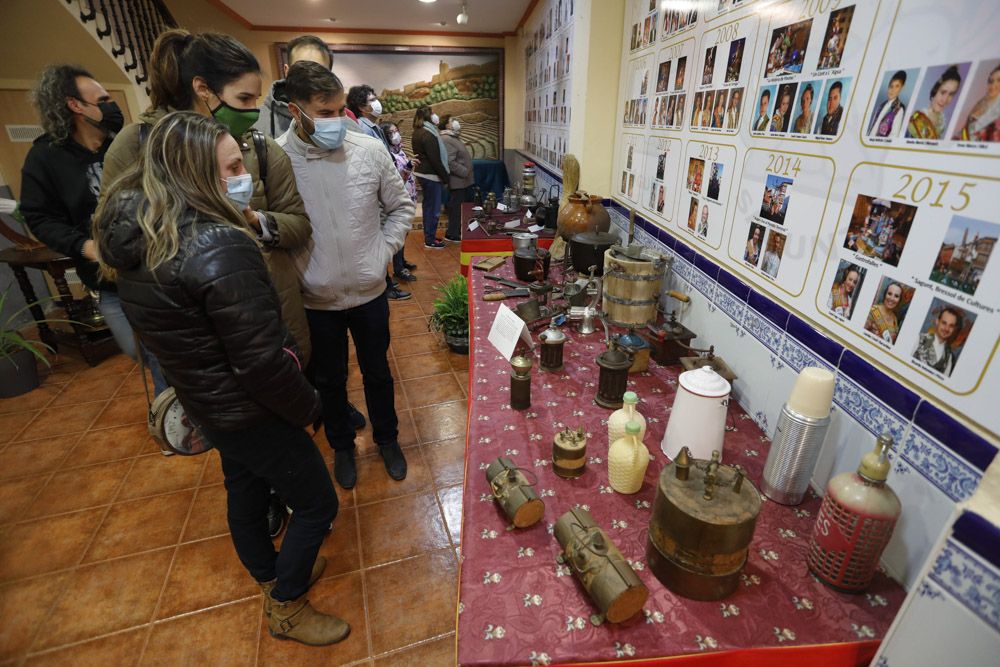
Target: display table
[519,607]
[478,242]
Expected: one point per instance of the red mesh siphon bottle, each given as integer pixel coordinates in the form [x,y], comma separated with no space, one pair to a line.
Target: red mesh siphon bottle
[855,523]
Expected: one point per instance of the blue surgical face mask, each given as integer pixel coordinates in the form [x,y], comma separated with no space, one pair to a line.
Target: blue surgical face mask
[328,132]
[239,190]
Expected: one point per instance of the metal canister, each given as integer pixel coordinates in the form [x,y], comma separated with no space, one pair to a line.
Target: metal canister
[703,521]
[569,453]
[613,379]
[514,493]
[528,176]
[599,566]
[520,383]
[553,341]
[794,449]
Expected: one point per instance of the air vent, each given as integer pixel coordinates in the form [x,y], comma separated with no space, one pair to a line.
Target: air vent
[24,134]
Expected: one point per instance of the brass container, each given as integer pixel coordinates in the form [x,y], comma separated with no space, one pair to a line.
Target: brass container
[520,383]
[600,567]
[703,521]
[582,212]
[514,493]
[613,379]
[553,342]
[569,453]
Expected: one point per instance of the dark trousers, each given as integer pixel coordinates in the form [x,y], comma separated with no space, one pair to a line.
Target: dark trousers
[369,327]
[431,207]
[398,262]
[279,455]
[457,197]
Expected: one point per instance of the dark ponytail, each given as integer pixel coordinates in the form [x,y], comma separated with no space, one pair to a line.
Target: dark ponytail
[178,57]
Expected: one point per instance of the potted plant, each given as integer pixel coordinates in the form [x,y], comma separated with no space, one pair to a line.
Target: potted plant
[451,314]
[18,370]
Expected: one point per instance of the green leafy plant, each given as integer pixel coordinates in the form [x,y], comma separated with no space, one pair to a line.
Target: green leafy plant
[451,309]
[11,340]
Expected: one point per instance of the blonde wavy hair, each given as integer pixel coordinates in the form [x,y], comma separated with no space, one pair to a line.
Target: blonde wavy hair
[177,171]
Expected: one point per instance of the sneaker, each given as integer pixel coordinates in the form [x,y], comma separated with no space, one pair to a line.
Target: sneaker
[405,276]
[396,294]
[434,245]
[345,470]
[395,462]
[410,266]
[451,240]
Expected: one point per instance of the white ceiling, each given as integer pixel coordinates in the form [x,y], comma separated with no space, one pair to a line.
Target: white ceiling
[485,16]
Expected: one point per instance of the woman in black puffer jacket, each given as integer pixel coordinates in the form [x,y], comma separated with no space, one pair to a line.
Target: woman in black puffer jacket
[194,284]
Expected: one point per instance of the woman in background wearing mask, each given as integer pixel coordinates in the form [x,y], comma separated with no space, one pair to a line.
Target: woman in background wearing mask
[432,170]
[193,283]
[461,177]
[402,268]
[217,76]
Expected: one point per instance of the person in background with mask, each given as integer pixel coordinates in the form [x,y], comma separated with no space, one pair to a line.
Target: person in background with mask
[432,170]
[217,76]
[460,178]
[360,215]
[274,117]
[61,179]
[404,165]
[194,283]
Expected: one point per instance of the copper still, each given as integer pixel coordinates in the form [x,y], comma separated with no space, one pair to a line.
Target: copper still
[569,453]
[703,521]
[600,567]
[514,493]
[613,380]
[582,212]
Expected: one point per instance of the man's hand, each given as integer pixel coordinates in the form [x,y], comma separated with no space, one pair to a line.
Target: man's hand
[89,250]
[251,217]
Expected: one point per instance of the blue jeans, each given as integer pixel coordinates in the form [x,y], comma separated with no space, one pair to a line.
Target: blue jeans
[110,305]
[431,208]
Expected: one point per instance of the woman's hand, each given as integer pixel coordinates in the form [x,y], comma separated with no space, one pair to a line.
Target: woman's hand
[251,217]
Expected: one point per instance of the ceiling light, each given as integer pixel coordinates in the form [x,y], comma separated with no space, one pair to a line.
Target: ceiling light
[332,20]
[439,23]
[427,2]
[463,16]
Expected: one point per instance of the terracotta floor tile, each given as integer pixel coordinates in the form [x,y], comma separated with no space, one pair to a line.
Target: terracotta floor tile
[65,419]
[435,653]
[363,442]
[157,473]
[433,390]
[412,600]
[118,363]
[208,515]
[80,488]
[422,365]
[418,344]
[119,650]
[33,457]
[23,606]
[446,460]
[225,635]
[45,545]
[213,469]
[17,494]
[459,362]
[110,444]
[133,384]
[36,399]
[463,380]
[342,596]
[451,506]
[411,326]
[440,422]
[374,483]
[87,389]
[106,597]
[56,377]
[399,528]
[140,525]
[407,431]
[205,573]
[404,309]
[122,410]
[11,425]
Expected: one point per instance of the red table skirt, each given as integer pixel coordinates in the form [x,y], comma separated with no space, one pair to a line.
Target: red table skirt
[477,243]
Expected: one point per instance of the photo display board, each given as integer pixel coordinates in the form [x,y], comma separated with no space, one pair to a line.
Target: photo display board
[548,101]
[840,157]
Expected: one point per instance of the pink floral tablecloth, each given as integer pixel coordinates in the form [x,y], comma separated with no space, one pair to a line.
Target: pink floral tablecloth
[518,606]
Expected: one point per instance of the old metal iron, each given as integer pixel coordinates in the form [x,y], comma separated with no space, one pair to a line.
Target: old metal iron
[707,357]
[514,492]
[702,524]
[569,453]
[613,379]
[520,382]
[600,567]
[553,342]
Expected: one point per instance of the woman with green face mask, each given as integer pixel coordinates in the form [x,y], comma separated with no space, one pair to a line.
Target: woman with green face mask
[217,76]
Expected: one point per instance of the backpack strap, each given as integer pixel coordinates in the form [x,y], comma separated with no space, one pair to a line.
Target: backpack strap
[260,147]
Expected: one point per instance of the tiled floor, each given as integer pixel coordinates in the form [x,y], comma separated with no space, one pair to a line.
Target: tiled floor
[113,554]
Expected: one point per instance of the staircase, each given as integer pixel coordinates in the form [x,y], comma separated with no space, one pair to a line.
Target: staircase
[127,30]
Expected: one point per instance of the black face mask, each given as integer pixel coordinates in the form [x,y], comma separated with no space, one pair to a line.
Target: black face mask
[112,119]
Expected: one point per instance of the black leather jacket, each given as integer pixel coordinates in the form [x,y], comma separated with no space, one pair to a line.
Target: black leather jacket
[211,317]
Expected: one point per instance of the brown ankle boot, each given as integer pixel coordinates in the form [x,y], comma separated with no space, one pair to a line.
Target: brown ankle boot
[298,620]
[267,586]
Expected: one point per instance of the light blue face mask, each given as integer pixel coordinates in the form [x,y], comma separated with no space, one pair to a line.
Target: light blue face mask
[239,190]
[329,132]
